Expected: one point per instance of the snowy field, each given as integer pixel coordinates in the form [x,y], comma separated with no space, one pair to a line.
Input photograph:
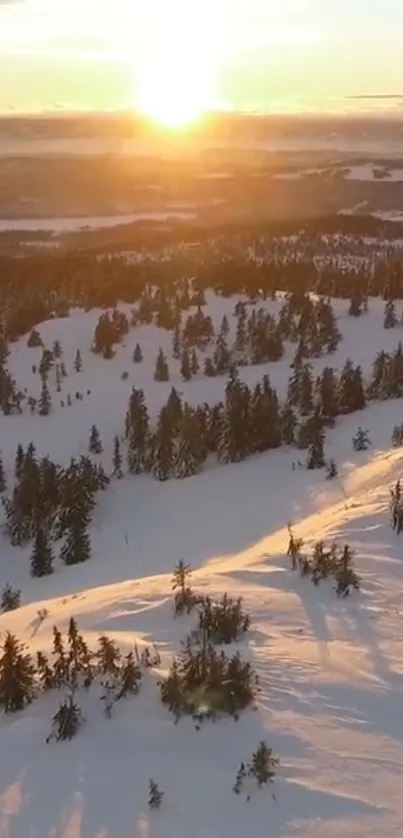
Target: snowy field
[331,671]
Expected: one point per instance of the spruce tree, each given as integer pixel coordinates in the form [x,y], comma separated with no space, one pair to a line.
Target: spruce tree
[154,795]
[17,675]
[224,328]
[345,575]
[57,349]
[161,367]
[3,484]
[117,459]
[194,364]
[45,402]
[78,363]
[95,443]
[163,447]
[137,432]
[19,461]
[263,765]
[176,342]
[185,366]
[209,369]
[316,457]
[187,456]
[66,722]
[34,339]
[42,555]
[331,470]
[361,441]
[77,547]
[390,319]
[10,598]
[137,354]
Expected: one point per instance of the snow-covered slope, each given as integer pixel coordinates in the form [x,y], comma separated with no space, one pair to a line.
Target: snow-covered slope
[330,670]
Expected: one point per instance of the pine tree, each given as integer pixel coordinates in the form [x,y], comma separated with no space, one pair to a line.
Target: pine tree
[331,470]
[176,342]
[10,599]
[397,436]
[45,402]
[209,369]
[3,484]
[194,364]
[19,462]
[187,456]
[117,459]
[345,575]
[361,441]
[137,432]
[263,765]
[66,722]
[137,354]
[129,677]
[57,349]
[78,364]
[161,367]
[77,547]
[288,425]
[163,447]
[240,779]
[184,599]
[42,555]
[224,328]
[58,379]
[34,339]
[185,366]
[17,675]
[390,319]
[108,656]
[95,443]
[316,457]
[154,795]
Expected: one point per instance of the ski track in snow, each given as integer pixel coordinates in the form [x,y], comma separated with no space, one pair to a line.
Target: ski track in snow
[331,672]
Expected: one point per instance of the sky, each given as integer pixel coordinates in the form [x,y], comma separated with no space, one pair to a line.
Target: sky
[266,55]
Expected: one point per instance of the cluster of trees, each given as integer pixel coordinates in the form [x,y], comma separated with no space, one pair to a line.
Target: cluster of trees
[202,682]
[109,330]
[330,562]
[50,503]
[72,666]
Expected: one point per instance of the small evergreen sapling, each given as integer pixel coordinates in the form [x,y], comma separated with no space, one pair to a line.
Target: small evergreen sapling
[3,484]
[95,443]
[263,765]
[331,471]
[184,599]
[78,363]
[345,575]
[154,795]
[161,367]
[66,722]
[137,354]
[361,441]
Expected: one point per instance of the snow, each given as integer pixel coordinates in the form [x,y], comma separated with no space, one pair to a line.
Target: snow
[330,671]
[71,224]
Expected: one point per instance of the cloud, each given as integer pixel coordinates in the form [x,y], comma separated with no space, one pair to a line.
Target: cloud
[390,96]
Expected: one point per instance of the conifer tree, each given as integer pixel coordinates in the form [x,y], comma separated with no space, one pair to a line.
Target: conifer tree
[10,598]
[17,675]
[66,722]
[331,470]
[154,795]
[390,319]
[117,459]
[57,349]
[224,328]
[361,441]
[42,554]
[45,402]
[77,547]
[95,443]
[221,358]
[108,656]
[316,457]
[78,363]
[185,366]
[2,476]
[58,379]
[137,432]
[19,461]
[345,575]
[161,367]
[288,424]
[137,354]
[263,765]
[163,447]
[176,342]
[187,455]
[34,339]
[209,370]
[194,364]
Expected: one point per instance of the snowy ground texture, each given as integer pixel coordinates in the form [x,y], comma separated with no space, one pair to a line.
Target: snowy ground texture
[331,671]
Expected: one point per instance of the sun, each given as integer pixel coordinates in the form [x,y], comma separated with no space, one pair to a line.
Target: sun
[174,88]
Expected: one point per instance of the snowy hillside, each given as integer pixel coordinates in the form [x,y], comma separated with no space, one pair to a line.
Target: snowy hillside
[330,670]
